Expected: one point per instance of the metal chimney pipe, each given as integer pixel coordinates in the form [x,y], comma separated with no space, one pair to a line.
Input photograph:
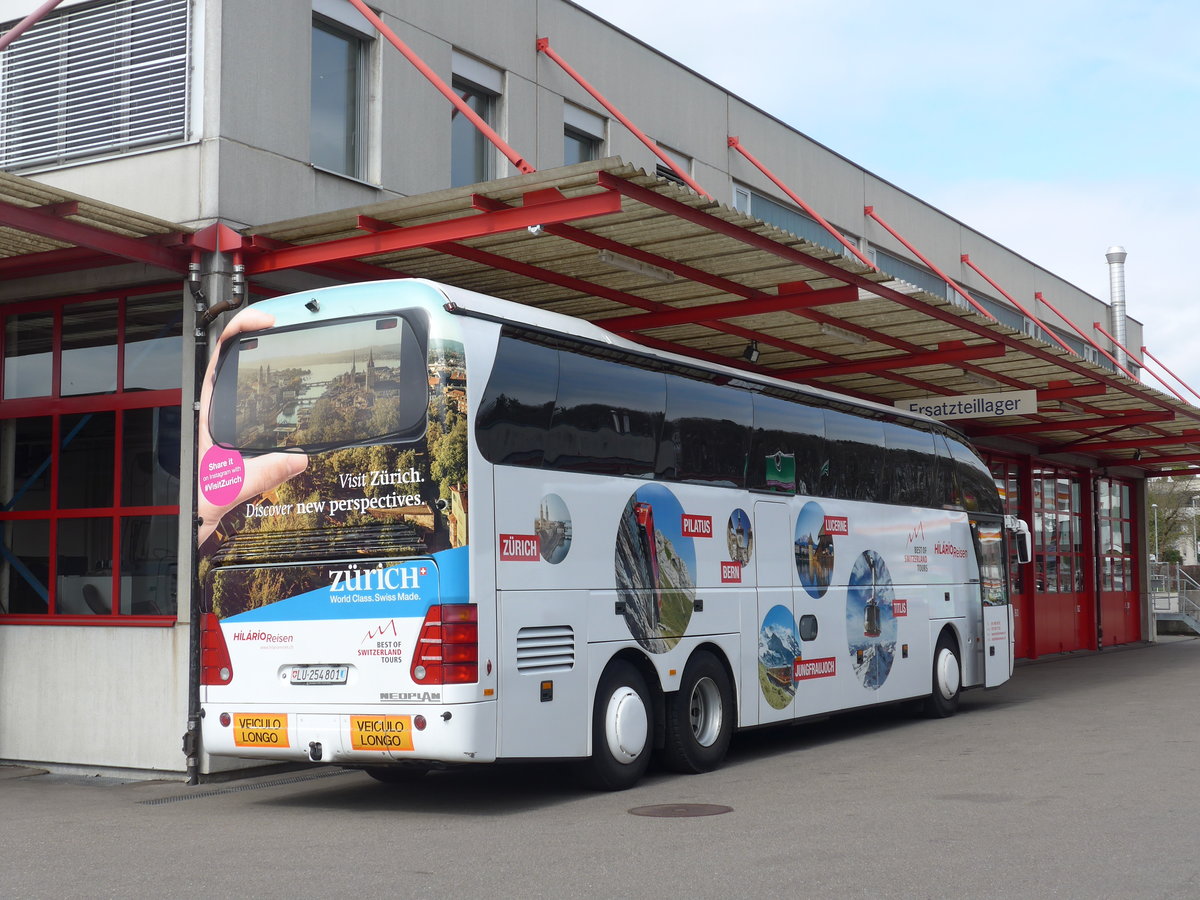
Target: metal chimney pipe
[1116,295]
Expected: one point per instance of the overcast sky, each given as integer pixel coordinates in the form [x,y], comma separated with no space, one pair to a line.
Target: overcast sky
[1058,128]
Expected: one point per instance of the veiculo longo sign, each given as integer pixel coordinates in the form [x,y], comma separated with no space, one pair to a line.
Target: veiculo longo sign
[973,406]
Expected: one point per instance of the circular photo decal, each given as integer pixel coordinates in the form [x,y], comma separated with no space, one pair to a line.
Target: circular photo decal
[553,528]
[814,550]
[778,650]
[655,568]
[870,623]
[739,537]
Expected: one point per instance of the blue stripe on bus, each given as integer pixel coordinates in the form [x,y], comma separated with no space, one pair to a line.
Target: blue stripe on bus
[399,591]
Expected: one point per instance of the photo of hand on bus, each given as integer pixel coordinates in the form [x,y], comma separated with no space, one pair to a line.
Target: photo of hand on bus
[262,473]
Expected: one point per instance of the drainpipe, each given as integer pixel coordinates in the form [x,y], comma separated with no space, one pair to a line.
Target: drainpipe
[1116,294]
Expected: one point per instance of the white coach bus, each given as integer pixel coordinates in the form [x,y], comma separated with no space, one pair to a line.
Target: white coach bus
[439,528]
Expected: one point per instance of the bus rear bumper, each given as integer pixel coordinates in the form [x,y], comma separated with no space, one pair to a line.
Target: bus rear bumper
[448,733]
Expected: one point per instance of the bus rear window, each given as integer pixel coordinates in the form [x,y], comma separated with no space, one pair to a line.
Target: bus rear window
[319,387]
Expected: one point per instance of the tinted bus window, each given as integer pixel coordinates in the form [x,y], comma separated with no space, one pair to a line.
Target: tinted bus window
[856,456]
[514,416]
[975,481]
[335,384]
[948,492]
[607,417]
[787,448]
[912,462]
[706,432]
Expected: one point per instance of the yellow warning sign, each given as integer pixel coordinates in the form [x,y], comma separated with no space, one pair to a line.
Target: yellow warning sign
[381,732]
[260,730]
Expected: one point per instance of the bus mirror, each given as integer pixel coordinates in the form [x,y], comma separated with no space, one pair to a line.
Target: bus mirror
[1022,538]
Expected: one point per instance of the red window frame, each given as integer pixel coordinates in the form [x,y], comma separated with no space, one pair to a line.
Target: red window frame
[55,406]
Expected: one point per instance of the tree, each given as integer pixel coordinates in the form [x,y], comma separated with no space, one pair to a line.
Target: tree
[1174,514]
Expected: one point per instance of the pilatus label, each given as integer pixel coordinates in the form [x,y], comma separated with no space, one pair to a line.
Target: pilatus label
[697,526]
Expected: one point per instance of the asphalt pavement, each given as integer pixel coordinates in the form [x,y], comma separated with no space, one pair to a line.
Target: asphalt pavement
[1079,778]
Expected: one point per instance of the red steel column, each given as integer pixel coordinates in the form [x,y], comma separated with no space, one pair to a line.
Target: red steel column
[795,198]
[28,22]
[543,45]
[513,157]
[870,211]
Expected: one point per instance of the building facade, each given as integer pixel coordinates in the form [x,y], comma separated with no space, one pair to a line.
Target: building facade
[241,113]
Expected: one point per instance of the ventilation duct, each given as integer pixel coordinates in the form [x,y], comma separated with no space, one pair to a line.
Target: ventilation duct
[1116,295]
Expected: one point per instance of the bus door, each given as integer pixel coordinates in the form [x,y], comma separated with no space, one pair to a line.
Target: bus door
[778,643]
[998,633]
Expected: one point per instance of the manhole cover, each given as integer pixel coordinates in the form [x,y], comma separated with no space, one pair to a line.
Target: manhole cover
[680,810]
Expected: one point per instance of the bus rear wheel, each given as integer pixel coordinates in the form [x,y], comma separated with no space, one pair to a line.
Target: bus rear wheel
[621,729]
[942,701]
[699,721]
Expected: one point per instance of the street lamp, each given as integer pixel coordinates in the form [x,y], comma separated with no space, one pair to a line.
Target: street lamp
[1195,547]
[1154,506]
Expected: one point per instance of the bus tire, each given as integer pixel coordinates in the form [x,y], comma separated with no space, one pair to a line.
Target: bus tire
[401,773]
[699,717]
[946,689]
[621,729]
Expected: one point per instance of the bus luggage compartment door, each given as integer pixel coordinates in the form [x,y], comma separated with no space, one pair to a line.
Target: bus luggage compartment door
[543,690]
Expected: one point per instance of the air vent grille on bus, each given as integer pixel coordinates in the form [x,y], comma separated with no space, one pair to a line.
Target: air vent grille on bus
[546,648]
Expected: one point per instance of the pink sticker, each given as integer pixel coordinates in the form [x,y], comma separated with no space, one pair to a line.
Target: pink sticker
[222,474]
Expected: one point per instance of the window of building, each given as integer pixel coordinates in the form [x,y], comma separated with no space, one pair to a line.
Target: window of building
[103,78]
[1115,521]
[89,459]
[472,156]
[680,159]
[1058,538]
[337,117]
[583,135]
[787,218]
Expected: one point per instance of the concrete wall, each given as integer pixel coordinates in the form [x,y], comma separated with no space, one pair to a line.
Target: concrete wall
[248,162]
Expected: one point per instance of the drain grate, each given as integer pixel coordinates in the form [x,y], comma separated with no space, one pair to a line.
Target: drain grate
[239,788]
[680,810]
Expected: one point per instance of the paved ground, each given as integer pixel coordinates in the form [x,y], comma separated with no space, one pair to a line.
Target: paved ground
[1080,778]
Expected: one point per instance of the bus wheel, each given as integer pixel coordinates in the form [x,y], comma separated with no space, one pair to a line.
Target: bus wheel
[699,716]
[401,773]
[947,680]
[621,737]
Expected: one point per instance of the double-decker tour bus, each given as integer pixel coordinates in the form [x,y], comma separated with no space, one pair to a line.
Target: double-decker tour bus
[439,528]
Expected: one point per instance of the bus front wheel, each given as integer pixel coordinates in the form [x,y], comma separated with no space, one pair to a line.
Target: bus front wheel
[947,679]
[621,729]
[699,716]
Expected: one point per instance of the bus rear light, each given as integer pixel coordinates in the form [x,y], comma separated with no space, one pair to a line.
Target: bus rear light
[419,722]
[215,665]
[447,650]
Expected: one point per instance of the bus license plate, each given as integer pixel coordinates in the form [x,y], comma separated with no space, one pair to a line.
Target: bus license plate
[319,674]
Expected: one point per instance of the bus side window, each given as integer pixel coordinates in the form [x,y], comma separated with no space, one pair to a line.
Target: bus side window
[974,478]
[705,434]
[514,417]
[857,460]
[607,417]
[787,447]
[912,462]
[948,492]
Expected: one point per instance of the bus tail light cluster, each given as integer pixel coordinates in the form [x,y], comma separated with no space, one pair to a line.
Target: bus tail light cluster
[215,665]
[447,649]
